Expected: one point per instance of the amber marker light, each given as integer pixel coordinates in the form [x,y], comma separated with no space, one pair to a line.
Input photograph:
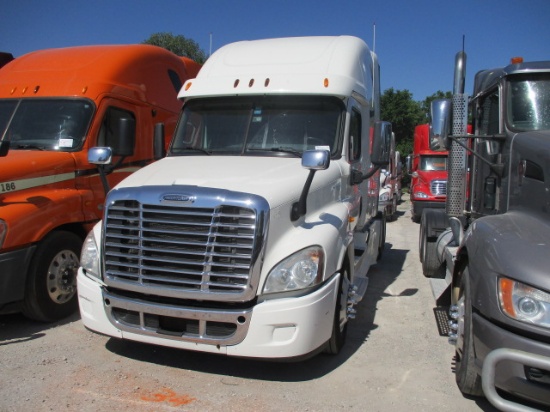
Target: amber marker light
[516,60]
[325,82]
[505,294]
[188,86]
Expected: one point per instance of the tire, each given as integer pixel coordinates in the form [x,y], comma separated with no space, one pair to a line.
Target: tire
[431,266]
[421,242]
[50,293]
[382,243]
[340,322]
[467,377]
[394,208]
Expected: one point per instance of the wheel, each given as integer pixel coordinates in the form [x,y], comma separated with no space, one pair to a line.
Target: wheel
[340,323]
[467,378]
[50,294]
[394,207]
[382,243]
[422,240]
[431,266]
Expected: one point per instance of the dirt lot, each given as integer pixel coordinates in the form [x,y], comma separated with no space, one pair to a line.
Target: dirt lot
[395,359]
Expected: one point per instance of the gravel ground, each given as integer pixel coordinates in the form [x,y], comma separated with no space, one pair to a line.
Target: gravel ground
[394,359]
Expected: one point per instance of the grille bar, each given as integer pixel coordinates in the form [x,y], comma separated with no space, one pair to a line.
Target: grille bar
[438,187]
[186,251]
[209,326]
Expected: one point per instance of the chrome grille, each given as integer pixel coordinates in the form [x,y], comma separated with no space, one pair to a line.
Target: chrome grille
[175,251]
[438,187]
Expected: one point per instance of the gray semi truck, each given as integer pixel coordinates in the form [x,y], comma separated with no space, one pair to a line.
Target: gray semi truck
[488,251]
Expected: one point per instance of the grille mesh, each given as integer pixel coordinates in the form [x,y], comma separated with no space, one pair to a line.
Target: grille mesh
[438,187]
[207,250]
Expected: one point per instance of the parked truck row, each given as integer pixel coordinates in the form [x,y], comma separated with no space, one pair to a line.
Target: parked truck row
[247,201]
[488,250]
[54,106]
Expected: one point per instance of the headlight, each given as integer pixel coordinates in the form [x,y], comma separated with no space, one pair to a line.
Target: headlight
[89,256]
[384,197]
[299,271]
[524,303]
[3,231]
[420,195]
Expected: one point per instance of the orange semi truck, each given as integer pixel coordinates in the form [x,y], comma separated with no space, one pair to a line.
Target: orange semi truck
[55,105]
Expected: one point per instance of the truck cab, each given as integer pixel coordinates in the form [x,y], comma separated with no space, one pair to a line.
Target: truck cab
[428,170]
[493,254]
[390,184]
[55,105]
[254,236]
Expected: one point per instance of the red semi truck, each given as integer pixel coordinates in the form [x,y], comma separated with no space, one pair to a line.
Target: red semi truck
[428,169]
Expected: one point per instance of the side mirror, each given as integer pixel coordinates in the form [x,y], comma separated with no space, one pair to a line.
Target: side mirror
[126,136]
[159,150]
[100,155]
[441,124]
[408,164]
[4,148]
[313,160]
[381,144]
[316,159]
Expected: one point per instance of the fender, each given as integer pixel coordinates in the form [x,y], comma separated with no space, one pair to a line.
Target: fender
[327,229]
[30,218]
[487,247]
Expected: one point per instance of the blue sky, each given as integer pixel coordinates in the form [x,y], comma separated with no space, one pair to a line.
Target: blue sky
[416,40]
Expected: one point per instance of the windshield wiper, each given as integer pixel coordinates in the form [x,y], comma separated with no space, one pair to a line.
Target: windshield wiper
[28,146]
[277,149]
[196,149]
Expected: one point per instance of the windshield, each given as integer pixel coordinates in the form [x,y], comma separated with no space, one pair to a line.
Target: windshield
[259,125]
[430,163]
[51,124]
[529,102]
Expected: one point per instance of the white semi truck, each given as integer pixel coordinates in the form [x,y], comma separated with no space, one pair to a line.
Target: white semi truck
[253,237]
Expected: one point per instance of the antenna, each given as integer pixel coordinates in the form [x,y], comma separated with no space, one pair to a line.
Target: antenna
[210,52]
[374,37]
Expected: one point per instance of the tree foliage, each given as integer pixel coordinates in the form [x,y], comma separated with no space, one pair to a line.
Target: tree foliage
[399,108]
[178,45]
[404,113]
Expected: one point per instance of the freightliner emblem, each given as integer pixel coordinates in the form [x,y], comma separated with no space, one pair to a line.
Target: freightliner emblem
[176,197]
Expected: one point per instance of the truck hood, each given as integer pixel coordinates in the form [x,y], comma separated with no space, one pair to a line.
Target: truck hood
[24,169]
[277,179]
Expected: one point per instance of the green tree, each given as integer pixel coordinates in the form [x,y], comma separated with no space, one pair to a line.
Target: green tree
[179,45]
[404,113]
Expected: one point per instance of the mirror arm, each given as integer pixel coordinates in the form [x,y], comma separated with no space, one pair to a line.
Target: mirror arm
[498,168]
[357,177]
[103,176]
[299,208]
